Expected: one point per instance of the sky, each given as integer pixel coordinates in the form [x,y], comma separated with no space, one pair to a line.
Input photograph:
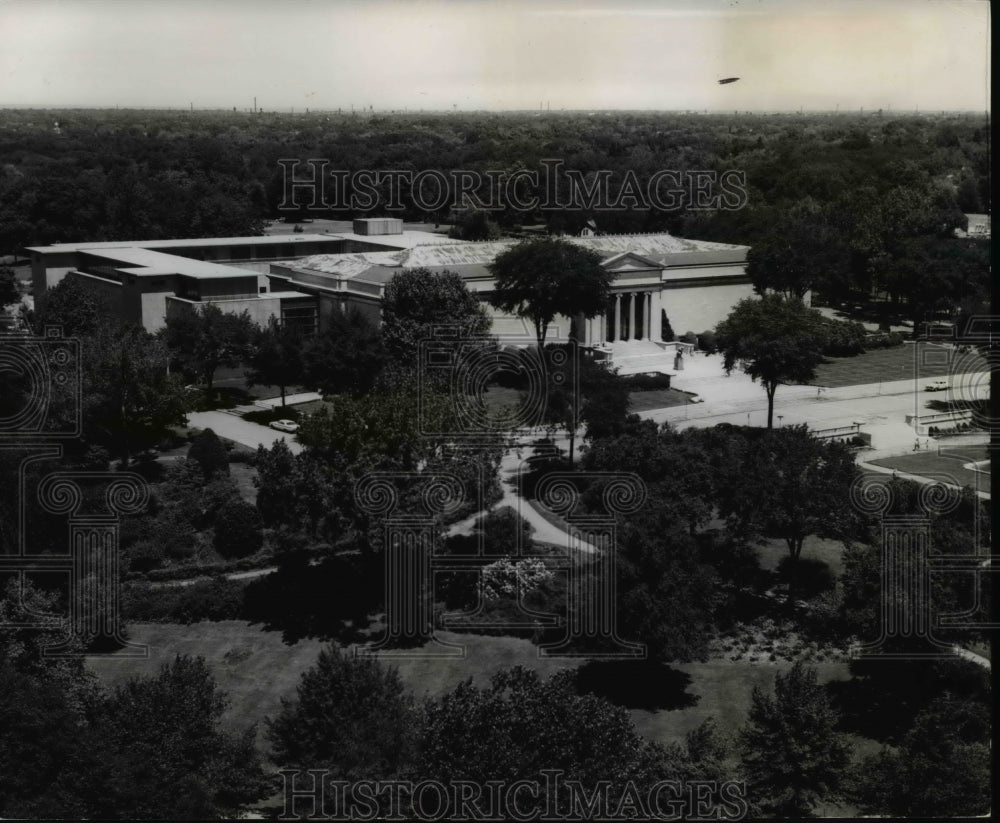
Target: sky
[497,54]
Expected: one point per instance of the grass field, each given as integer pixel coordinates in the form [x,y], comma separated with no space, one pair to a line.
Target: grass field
[930,462]
[897,363]
[257,669]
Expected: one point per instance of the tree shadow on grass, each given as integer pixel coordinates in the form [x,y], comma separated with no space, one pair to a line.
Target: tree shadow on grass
[883,697]
[637,684]
[330,600]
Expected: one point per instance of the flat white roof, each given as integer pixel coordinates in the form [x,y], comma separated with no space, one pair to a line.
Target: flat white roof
[149,263]
[268,239]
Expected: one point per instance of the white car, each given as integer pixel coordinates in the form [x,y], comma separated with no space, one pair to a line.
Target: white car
[941,384]
[284,425]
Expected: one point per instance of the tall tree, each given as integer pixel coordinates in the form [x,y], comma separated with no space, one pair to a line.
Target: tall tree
[773,339]
[275,357]
[346,358]
[417,300]
[129,398]
[793,756]
[789,485]
[541,278]
[206,339]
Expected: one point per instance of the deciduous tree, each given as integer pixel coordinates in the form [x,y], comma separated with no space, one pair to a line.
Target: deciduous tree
[541,278]
[793,756]
[206,339]
[773,339]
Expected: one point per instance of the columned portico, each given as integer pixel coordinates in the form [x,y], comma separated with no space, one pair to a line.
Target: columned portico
[629,317]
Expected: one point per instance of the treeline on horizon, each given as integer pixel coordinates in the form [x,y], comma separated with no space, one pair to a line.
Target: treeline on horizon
[144,174]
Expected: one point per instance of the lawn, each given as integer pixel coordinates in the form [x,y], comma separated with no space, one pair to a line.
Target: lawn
[257,669]
[896,363]
[254,667]
[930,462]
[640,401]
[830,552]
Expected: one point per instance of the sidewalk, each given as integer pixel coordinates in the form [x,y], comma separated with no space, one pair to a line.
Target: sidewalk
[542,530]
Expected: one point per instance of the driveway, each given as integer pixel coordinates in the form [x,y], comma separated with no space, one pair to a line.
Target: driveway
[241,431]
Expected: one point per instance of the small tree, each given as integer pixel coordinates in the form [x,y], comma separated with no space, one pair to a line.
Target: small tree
[209,454]
[238,529]
[349,715]
[793,756]
[666,330]
[541,278]
[772,339]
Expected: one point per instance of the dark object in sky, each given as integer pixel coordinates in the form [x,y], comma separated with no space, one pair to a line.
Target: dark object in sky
[725,80]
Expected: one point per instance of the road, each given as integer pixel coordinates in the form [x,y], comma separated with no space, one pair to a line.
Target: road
[241,431]
[879,407]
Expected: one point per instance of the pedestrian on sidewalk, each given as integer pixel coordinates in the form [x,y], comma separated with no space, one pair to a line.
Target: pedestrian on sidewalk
[916,445]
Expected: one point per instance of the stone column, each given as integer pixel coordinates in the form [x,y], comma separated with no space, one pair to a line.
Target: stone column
[634,331]
[619,316]
[649,315]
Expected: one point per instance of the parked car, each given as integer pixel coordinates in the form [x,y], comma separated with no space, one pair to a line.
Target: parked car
[284,425]
[941,384]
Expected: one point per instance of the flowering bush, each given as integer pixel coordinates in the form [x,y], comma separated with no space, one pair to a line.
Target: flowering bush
[503,579]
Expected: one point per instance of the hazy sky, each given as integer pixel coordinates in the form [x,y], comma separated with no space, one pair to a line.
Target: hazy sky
[476,54]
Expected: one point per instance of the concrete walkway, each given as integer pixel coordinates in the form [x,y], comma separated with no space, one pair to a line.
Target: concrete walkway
[542,531]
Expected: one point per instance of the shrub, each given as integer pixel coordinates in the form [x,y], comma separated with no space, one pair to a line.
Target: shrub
[667,332]
[241,454]
[174,533]
[216,599]
[690,337]
[812,577]
[209,453]
[883,340]
[646,382]
[708,342]
[238,529]
[145,555]
[504,579]
[500,531]
[843,338]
